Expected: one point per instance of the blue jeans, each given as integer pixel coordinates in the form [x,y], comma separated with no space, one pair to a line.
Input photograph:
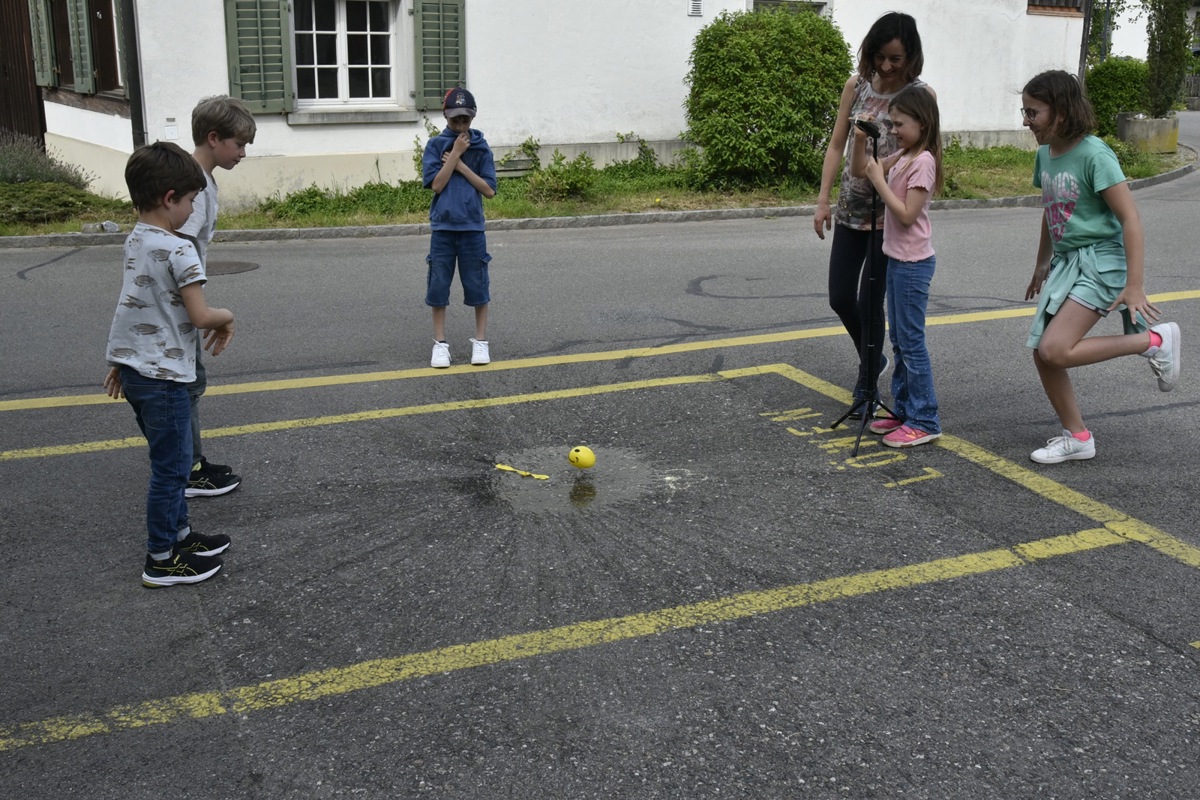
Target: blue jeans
[469,250]
[912,381]
[163,411]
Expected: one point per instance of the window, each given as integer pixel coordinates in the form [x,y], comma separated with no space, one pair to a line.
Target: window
[344,52]
[77,45]
[336,55]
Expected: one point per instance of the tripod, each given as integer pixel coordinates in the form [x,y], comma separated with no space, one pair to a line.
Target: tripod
[868,346]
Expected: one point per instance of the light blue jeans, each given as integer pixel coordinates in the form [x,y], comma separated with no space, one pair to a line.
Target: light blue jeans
[915,401]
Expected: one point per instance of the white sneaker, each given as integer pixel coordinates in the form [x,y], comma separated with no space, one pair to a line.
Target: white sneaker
[479,353]
[1164,361]
[1065,448]
[441,355]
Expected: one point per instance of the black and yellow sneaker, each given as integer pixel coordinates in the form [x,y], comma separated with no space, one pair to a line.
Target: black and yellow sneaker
[197,544]
[179,568]
[206,483]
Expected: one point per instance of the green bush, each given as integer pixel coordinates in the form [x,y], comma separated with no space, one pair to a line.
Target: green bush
[763,93]
[561,179]
[1113,86]
[22,160]
[43,201]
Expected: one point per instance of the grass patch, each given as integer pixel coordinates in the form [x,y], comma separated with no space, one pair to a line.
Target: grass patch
[640,185]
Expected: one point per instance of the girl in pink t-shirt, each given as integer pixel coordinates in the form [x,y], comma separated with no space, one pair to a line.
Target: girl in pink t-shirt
[905,181]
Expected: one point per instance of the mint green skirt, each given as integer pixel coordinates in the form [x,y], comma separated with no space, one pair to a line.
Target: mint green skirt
[1093,276]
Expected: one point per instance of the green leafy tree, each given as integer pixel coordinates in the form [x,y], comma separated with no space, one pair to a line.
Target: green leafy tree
[1169,53]
[763,92]
[1106,20]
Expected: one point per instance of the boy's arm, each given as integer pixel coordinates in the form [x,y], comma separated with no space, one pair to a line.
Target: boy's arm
[481,186]
[450,161]
[218,322]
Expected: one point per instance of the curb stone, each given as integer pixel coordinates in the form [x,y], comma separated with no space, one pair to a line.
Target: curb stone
[543,223]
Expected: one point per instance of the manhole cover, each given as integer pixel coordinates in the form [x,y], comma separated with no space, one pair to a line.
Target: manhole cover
[229,267]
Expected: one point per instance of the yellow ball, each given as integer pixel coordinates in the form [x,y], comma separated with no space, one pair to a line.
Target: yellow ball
[582,457]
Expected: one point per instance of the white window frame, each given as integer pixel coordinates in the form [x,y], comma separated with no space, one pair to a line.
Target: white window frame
[400,76]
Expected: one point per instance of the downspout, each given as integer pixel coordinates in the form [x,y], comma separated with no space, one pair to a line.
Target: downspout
[133,71]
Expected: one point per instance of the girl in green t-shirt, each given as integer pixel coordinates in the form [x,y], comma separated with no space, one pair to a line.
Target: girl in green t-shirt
[1090,260]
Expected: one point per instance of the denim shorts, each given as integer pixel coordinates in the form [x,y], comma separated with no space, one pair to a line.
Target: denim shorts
[467,249]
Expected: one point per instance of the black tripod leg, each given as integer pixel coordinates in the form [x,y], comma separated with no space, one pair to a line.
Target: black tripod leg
[869,346]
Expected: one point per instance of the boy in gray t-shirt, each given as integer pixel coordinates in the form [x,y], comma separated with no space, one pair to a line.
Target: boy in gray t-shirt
[222,126]
[151,351]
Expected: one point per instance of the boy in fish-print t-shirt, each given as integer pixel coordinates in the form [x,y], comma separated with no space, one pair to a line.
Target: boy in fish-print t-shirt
[151,352]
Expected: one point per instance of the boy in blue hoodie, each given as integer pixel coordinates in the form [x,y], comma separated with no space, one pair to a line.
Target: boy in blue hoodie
[459,168]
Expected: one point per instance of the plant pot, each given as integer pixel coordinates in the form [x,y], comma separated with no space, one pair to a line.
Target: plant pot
[1149,135]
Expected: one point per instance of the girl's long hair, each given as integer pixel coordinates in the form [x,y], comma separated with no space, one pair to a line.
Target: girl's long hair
[893,25]
[919,103]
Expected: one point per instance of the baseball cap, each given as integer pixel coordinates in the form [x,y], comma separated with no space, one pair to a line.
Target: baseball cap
[458,102]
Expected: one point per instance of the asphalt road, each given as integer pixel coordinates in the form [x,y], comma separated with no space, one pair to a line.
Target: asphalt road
[729,604]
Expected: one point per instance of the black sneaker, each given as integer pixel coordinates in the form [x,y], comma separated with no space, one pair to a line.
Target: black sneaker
[179,568]
[197,544]
[202,483]
[215,469]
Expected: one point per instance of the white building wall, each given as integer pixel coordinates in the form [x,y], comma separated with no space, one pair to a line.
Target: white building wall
[1129,34]
[568,74]
[978,55]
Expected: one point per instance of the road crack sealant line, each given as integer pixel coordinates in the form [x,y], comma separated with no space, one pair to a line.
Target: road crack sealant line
[1116,528]
[547,223]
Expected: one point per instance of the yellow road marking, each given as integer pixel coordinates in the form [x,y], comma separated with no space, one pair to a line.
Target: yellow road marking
[385,671]
[365,416]
[1053,491]
[427,372]
[544,361]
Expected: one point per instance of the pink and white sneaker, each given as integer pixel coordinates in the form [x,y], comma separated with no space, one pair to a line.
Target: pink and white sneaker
[905,436]
[884,424]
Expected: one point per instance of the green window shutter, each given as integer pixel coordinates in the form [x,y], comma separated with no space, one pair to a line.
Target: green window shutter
[43,43]
[81,46]
[440,29]
[259,45]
